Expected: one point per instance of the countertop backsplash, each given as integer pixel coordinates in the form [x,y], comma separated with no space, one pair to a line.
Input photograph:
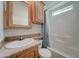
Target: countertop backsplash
[12,38]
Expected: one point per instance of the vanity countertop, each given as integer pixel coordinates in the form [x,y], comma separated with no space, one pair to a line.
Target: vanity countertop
[4,52]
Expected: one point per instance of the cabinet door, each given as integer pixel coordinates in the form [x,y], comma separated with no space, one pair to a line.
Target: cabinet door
[40,13]
[28,54]
[37,12]
[18,14]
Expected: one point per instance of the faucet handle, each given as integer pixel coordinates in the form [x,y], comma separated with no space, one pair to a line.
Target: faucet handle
[21,38]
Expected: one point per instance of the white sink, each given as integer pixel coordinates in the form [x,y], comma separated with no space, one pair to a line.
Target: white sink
[17,44]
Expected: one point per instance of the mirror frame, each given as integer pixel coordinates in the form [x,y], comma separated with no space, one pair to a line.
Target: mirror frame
[10,15]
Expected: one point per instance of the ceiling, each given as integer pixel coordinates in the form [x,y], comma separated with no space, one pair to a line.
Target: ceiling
[49,3]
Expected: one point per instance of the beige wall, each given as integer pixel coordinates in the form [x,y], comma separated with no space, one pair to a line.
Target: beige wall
[1,24]
[1,21]
[13,32]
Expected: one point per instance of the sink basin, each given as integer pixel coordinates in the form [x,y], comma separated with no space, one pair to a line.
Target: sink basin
[17,44]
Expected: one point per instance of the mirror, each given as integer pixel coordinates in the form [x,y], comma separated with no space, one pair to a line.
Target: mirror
[20,13]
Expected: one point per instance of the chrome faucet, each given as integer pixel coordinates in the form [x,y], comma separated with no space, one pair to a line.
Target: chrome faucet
[21,38]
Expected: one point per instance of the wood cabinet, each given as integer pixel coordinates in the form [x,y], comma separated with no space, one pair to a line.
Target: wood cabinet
[28,53]
[37,8]
[17,14]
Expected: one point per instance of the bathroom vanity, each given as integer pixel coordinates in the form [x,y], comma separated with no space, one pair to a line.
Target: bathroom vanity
[31,52]
[28,51]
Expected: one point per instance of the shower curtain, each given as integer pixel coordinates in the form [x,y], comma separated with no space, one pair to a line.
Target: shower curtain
[45,42]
